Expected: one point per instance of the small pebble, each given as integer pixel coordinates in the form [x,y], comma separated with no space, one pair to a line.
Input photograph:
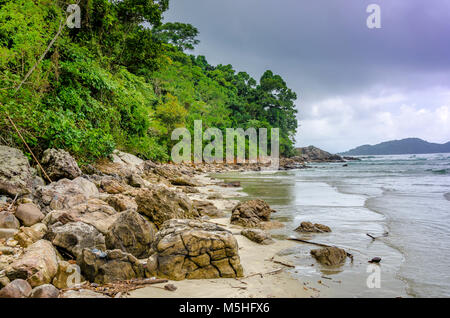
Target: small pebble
[170,287]
[375,260]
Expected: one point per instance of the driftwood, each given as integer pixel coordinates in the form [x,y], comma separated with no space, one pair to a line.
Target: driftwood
[372,237]
[317,244]
[117,289]
[12,203]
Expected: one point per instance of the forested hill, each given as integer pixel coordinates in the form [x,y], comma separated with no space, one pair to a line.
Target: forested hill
[398,147]
[123,80]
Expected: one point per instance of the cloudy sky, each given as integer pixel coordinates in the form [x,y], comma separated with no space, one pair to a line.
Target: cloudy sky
[355,85]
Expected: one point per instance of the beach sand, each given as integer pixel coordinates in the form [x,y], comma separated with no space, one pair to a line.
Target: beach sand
[263,276]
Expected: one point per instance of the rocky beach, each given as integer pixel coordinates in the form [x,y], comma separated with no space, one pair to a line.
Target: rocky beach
[124,227]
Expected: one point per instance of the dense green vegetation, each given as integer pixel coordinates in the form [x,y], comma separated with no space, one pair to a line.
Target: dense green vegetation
[123,81]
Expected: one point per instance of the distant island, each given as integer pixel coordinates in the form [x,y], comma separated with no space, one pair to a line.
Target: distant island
[399,147]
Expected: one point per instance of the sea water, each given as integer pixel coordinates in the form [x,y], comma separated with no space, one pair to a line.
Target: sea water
[402,200]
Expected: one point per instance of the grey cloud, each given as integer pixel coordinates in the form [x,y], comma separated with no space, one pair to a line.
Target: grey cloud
[325,52]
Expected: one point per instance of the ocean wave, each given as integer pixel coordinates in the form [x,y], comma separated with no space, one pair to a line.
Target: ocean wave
[447,196]
[439,171]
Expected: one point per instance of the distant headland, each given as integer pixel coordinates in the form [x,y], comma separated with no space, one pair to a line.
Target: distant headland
[399,147]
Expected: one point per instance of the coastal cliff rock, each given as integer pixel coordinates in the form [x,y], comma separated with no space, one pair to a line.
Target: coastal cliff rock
[131,233]
[308,227]
[161,204]
[251,213]
[314,154]
[59,164]
[28,235]
[109,266]
[75,236]
[192,249]
[16,175]
[18,288]
[258,236]
[330,256]
[65,194]
[38,265]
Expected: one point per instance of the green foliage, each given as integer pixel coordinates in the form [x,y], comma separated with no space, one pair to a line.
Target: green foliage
[181,35]
[122,81]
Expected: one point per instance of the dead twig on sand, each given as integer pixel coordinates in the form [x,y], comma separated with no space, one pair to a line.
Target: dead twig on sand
[116,288]
[372,237]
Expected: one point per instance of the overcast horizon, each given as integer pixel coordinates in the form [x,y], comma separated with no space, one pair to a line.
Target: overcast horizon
[355,85]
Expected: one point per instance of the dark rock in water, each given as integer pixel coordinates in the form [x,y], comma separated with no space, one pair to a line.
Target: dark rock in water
[345,165]
[60,164]
[447,196]
[330,256]
[308,227]
[235,184]
[45,291]
[314,154]
[193,249]
[18,288]
[251,213]
[375,260]
[131,233]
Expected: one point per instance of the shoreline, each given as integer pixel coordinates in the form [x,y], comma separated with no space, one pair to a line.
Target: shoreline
[263,278]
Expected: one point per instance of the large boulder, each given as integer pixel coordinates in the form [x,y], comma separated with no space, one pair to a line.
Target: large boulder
[308,227]
[66,193]
[131,233]
[258,236]
[73,237]
[251,213]
[8,221]
[193,249]
[94,212]
[330,256]
[45,291]
[16,175]
[29,214]
[59,164]
[314,154]
[38,265]
[18,288]
[109,266]
[161,204]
